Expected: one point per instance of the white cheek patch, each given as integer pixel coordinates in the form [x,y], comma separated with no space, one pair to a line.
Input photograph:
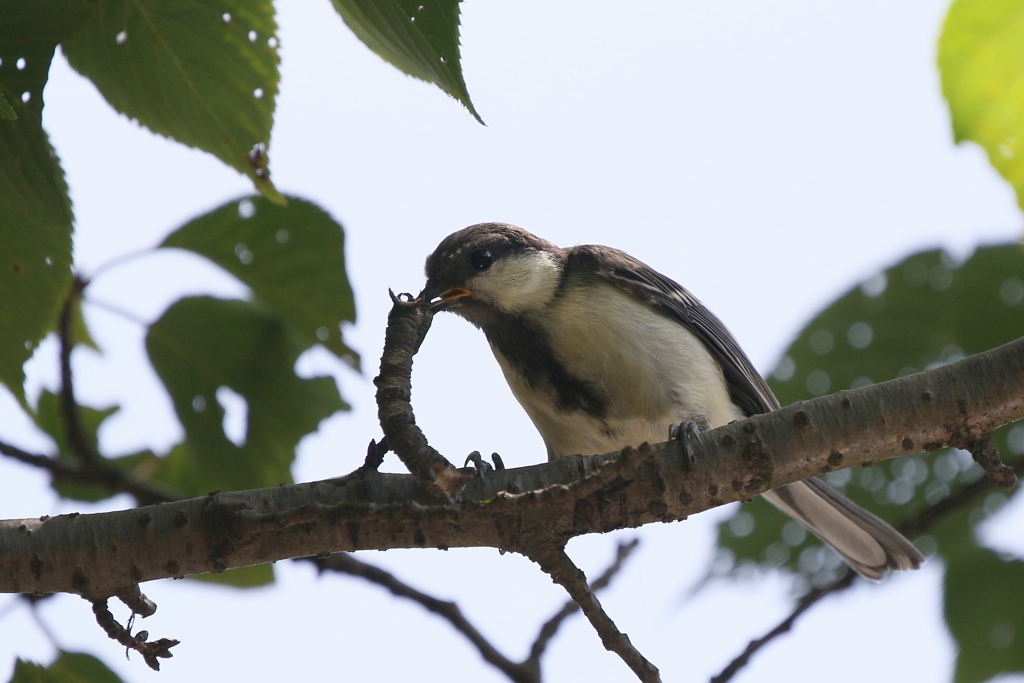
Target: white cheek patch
[518,283]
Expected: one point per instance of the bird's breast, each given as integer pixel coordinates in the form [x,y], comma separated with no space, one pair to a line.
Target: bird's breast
[599,370]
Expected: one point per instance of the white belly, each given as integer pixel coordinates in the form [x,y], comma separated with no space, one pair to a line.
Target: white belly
[654,370]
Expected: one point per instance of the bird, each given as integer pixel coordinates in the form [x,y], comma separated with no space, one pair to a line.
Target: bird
[604,352]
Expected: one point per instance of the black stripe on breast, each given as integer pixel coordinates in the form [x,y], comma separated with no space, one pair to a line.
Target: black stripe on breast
[528,349]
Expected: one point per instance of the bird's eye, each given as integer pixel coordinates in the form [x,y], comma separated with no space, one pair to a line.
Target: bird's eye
[481,259]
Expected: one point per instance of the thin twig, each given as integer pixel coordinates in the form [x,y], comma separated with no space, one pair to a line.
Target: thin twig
[122,259]
[556,564]
[76,436]
[550,627]
[986,454]
[527,671]
[805,603]
[347,564]
[56,467]
[103,474]
[914,526]
[151,651]
[115,310]
[34,611]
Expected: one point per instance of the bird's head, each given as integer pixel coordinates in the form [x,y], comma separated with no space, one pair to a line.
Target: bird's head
[492,269]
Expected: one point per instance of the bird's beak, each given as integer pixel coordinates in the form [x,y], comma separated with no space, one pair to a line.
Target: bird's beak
[444,300]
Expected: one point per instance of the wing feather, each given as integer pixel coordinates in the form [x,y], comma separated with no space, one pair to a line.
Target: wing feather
[747,388]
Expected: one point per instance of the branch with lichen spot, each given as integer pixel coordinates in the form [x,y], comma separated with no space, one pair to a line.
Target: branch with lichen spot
[373,510]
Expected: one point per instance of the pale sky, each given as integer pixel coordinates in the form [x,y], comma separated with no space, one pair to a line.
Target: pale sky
[768,155]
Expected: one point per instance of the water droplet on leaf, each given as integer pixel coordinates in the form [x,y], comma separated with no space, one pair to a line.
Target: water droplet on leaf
[246,209]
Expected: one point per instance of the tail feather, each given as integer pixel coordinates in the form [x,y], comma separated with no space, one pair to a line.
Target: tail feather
[869,545]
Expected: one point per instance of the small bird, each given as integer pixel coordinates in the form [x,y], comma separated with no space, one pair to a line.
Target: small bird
[604,352]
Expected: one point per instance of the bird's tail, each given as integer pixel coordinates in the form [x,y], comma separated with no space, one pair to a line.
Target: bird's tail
[869,545]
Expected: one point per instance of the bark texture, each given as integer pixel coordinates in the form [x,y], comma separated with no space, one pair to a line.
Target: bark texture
[100,555]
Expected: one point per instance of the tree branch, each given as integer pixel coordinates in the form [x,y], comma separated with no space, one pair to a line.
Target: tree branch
[91,466]
[346,564]
[101,554]
[556,564]
[102,473]
[151,651]
[79,442]
[550,627]
[527,671]
[408,323]
[57,468]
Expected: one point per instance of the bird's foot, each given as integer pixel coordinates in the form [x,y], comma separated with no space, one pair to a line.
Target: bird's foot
[375,454]
[483,467]
[687,434]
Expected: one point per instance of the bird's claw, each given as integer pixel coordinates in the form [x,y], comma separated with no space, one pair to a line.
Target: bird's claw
[483,467]
[687,434]
[375,454]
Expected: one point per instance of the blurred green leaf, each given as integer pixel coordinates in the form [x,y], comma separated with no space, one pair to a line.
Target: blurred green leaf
[69,667]
[201,345]
[981,52]
[35,211]
[984,607]
[293,258]
[6,112]
[242,577]
[203,72]
[79,329]
[48,417]
[419,37]
[926,311]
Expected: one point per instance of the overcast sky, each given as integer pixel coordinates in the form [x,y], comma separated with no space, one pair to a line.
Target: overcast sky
[768,155]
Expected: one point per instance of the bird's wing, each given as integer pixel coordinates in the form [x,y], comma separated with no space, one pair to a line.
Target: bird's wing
[746,387]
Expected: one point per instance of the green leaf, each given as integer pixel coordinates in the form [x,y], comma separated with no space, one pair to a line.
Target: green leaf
[6,112]
[419,37]
[69,667]
[984,607]
[49,417]
[202,344]
[293,258]
[79,329]
[242,577]
[981,52]
[203,72]
[35,211]
[923,312]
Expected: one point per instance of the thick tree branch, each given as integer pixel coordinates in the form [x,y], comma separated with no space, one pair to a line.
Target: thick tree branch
[99,555]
